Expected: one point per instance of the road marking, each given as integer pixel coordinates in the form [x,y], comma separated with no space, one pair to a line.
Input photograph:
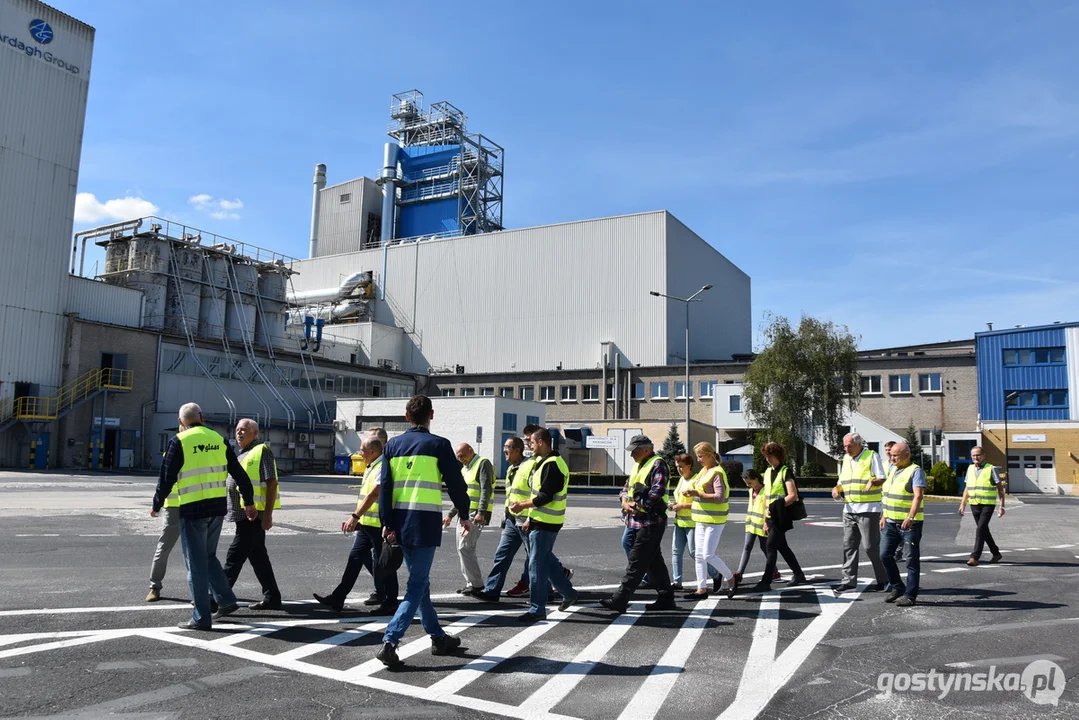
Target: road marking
[959,554]
[1025,660]
[332,641]
[941,632]
[557,688]
[946,570]
[1061,547]
[657,686]
[404,652]
[239,637]
[71,642]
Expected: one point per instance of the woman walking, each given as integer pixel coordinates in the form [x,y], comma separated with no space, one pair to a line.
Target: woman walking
[781,494]
[683,520]
[755,534]
[711,503]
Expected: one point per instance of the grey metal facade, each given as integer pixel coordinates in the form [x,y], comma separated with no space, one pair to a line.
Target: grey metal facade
[546,297]
[100,302]
[343,224]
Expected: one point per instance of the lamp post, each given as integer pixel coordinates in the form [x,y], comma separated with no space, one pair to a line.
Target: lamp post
[1008,397]
[691,299]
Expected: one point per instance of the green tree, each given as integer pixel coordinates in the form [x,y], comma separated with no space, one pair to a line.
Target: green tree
[942,480]
[672,447]
[802,380]
[917,455]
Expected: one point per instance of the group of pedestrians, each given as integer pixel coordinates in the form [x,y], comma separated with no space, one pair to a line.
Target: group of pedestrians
[399,512]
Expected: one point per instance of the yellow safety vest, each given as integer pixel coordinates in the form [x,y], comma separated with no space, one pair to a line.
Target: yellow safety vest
[370,482]
[517,483]
[755,512]
[417,483]
[638,478]
[898,500]
[683,518]
[471,473]
[554,512]
[708,512]
[252,463]
[853,476]
[775,482]
[204,471]
[980,487]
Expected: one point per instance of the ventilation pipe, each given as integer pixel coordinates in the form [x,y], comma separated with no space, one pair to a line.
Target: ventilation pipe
[321,295]
[319,322]
[320,182]
[389,206]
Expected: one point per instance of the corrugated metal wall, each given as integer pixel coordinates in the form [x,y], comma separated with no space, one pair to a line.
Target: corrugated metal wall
[342,225]
[1071,354]
[994,379]
[100,302]
[526,299]
[41,124]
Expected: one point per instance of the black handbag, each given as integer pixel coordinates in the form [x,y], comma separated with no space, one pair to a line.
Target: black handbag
[797,509]
[389,560]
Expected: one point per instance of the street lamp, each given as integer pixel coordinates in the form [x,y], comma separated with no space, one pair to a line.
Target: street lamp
[691,299]
[1008,397]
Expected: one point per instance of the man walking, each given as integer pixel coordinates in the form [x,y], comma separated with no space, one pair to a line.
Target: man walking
[249,543]
[197,463]
[646,501]
[170,533]
[512,537]
[982,490]
[479,475]
[861,478]
[415,465]
[901,522]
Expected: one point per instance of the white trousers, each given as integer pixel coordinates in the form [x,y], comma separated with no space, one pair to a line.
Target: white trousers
[706,540]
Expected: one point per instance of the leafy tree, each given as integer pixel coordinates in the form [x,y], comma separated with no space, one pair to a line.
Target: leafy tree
[802,380]
[942,480]
[672,447]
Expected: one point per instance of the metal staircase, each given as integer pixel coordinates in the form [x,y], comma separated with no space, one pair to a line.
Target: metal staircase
[52,407]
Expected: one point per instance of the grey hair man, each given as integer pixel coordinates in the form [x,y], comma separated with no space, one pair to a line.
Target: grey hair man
[479,475]
[861,477]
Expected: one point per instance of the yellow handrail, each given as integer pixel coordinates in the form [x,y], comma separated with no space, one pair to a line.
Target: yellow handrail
[70,395]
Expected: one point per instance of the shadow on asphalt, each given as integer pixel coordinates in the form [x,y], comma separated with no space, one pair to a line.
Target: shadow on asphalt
[981,599]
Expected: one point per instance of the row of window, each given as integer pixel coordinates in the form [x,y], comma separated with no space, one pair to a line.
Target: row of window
[509,422]
[1034,356]
[588,393]
[1039,398]
[900,384]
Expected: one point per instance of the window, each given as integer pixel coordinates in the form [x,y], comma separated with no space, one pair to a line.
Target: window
[680,390]
[526,392]
[929,382]
[613,391]
[509,422]
[345,198]
[660,390]
[506,392]
[448,392]
[1040,398]
[927,438]
[898,384]
[707,388]
[871,385]
[546,393]
[532,420]
[568,393]
[487,392]
[468,392]
[1035,356]
[590,393]
[638,391]
[735,403]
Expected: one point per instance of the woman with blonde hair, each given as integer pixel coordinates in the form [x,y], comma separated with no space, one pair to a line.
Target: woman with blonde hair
[684,526]
[711,504]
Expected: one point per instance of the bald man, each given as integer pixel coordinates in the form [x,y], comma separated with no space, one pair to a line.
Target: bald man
[479,475]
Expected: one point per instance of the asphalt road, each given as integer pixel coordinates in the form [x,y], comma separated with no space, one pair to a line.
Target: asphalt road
[76,639]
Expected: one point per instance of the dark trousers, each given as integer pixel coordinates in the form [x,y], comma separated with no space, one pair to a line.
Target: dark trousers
[645,556]
[775,545]
[249,544]
[982,515]
[365,549]
[747,548]
[891,537]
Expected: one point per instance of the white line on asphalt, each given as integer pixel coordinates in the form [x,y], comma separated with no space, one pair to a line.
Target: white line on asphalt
[1025,660]
[653,692]
[959,554]
[239,637]
[332,641]
[944,570]
[1061,547]
[416,646]
[71,642]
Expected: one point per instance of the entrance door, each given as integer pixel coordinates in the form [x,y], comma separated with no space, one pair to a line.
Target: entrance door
[1032,471]
[108,450]
[959,452]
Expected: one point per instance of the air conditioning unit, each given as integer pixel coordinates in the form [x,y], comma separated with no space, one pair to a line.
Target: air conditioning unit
[303,437]
[340,425]
[387,364]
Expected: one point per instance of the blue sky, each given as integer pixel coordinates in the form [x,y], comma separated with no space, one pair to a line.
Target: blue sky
[910,170]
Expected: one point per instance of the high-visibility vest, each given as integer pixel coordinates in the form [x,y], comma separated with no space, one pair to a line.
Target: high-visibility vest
[517,483]
[370,482]
[638,478]
[853,476]
[775,482]
[980,487]
[554,512]
[252,463]
[417,483]
[708,512]
[173,500]
[205,470]
[758,504]
[684,518]
[471,473]
[898,500]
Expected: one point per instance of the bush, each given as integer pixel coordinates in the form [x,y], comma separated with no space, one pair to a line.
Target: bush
[733,469]
[942,480]
[812,470]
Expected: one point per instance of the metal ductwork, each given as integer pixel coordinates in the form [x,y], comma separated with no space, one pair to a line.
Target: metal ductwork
[329,313]
[331,295]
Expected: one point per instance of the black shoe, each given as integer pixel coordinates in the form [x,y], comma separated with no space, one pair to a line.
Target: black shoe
[566,602]
[612,604]
[529,617]
[905,601]
[664,602]
[732,585]
[696,595]
[843,587]
[486,596]
[387,608]
[677,587]
[265,605]
[799,580]
[646,586]
[388,655]
[192,625]
[893,596]
[373,599]
[445,645]
[213,605]
[876,587]
[329,602]
[717,583]
[467,590]
[761,588]
[226,611]
[996,558]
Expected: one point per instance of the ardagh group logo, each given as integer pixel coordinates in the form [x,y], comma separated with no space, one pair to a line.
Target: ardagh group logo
[41,31]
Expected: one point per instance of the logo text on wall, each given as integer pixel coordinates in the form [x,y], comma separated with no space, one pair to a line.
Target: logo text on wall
[41,31]
[42,34]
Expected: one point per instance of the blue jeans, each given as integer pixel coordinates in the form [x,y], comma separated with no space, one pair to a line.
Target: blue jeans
[892,537]
[418,560]
[508,545]
[627,540]
[683,540]
[544,568]
[198,538]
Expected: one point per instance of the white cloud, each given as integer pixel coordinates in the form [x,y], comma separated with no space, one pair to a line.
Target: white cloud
[88,209]
[219,208]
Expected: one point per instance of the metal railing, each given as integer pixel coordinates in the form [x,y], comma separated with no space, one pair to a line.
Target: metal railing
[81,388]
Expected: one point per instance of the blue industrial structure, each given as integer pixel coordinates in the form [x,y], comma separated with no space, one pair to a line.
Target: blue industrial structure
[1029,367]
